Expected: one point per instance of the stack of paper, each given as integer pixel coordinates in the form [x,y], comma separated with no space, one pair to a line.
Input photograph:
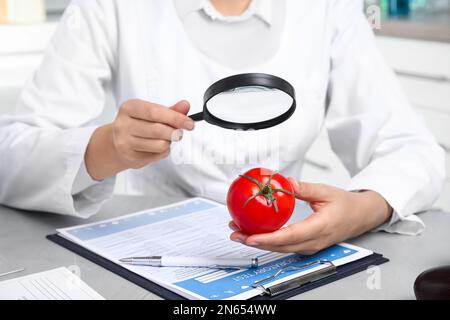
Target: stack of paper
[57,284]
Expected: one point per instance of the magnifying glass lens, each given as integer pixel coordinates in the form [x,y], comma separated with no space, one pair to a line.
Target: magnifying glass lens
[250,104]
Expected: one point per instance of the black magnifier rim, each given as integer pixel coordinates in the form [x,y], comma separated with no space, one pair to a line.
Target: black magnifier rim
[248,80]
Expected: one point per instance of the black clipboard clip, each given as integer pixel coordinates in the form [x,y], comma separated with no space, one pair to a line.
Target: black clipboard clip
[279,288]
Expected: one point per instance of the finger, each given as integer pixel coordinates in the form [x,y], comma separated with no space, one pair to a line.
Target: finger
[233,226]
[295,185]
[238,236]
[306,248]
[160,156]
[296,233]
[181,107]
[149,145]
[153,130]
[157,113]
[312,192]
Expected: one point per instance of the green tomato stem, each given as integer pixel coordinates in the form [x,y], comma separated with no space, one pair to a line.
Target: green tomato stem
[266,191]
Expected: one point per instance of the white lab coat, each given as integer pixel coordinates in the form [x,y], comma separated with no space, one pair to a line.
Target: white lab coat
[138,49]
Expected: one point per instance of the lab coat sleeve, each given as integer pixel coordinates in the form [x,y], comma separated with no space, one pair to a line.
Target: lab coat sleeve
[83,180]
[372,128]
[42,143]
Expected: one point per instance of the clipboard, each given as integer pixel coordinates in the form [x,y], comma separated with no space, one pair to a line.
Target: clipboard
[281,291]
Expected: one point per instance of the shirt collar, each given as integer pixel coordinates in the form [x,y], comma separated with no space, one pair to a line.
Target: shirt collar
[259,8]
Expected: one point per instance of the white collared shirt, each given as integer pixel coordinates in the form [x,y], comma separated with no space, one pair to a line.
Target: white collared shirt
[235,41]
[261,9]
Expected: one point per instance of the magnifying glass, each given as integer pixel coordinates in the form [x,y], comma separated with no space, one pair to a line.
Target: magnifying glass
[250,101]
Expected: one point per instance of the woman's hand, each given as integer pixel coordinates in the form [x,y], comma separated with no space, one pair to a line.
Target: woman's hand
[140,135]
[338,215]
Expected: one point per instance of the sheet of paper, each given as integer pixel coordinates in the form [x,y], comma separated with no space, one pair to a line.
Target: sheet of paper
[196,227]
[56,284]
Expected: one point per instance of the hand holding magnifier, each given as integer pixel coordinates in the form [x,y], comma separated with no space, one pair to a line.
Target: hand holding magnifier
[250,101]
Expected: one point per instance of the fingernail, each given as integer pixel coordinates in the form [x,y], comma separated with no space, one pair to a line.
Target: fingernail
[189,125]
[252,244]
[177,135]
[186,103]
[239,240]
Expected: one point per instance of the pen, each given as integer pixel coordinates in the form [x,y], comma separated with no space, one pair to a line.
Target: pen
[201,262]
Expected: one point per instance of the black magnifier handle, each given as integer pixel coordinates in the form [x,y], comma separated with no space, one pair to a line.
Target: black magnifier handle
[197,117]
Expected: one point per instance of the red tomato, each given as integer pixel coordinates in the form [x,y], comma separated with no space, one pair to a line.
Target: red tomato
[260,201]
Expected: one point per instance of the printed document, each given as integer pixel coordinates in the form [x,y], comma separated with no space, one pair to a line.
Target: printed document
[196,228]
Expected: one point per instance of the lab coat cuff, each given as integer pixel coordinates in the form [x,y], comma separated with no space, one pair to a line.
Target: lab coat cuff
[408,225]
[399,222]
[83,180]
[88,195]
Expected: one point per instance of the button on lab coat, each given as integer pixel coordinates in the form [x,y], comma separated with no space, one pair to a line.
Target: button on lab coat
[124,50]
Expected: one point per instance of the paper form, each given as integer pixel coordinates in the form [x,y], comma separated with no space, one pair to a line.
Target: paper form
[195,227]
[56,284]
